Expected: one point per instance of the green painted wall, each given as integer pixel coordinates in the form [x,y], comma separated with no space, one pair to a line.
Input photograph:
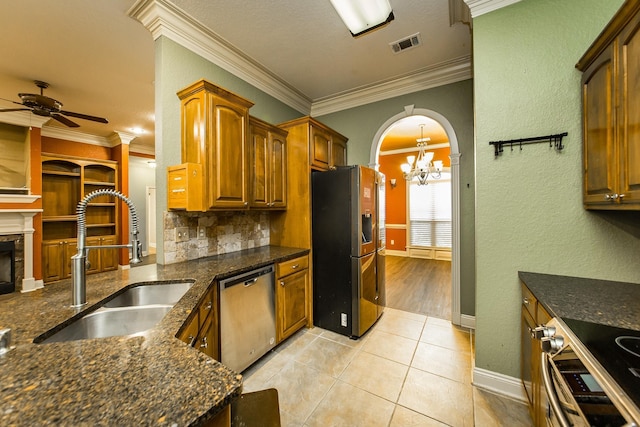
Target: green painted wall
[455,103]
[177,67]
[529,213]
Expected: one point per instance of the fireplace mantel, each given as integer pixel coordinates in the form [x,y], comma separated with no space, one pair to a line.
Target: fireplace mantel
[20,221]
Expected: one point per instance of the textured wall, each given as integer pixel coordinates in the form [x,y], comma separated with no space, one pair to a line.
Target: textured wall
[529,213]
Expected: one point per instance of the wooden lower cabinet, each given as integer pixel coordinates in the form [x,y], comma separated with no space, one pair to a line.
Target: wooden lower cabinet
[201,330]
[102,259]
[56,255]
[292,296]
[533,315]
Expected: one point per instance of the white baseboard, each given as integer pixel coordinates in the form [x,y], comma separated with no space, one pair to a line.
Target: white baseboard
[467,321]
[396,253]
[499,383]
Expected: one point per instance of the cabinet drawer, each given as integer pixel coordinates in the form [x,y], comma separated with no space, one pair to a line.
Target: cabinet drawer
[291,266]
[529,301]
[184,187]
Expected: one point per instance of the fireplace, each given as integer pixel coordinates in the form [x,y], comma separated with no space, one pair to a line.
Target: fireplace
[7,267]
[16,230]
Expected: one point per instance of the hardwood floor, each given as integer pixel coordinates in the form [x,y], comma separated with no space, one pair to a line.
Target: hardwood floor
[419,286]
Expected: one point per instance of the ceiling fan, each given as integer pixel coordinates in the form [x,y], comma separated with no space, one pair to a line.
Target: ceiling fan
[48,107]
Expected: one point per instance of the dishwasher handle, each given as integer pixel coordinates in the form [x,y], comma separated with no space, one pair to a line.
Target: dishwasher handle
[247,279]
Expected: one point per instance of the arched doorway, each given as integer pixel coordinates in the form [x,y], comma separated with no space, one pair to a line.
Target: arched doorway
[410,110]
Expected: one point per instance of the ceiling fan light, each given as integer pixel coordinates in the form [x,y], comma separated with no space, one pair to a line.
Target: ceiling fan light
[362,16]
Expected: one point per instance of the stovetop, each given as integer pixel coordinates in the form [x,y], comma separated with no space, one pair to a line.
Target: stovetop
[616,349]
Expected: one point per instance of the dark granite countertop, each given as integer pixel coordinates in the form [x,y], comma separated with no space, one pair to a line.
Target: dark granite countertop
[156,379]
[599,301]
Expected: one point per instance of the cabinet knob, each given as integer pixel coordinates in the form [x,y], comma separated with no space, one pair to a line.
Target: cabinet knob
[293,267]
[208,306]
[282,283]
[246,203]
[204,343]
[525,301]
[612,197]
[192,340]
[621,196]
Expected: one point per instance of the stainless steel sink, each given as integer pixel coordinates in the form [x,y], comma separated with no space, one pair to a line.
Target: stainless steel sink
[109,322]
[157,293]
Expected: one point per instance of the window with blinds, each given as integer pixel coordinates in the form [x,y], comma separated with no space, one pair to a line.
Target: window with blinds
[430,213]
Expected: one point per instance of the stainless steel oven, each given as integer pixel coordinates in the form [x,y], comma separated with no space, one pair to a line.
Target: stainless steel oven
[589,378]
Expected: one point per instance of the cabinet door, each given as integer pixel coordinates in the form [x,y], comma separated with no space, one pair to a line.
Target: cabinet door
[194,129]
[228,185]
[629,136]
[190,332]
[53,257]
[278,162]
[338,152]
[527,371]
[94,255]
[108,257]
[292,303]
[320,148]
[599,146]
[259,155]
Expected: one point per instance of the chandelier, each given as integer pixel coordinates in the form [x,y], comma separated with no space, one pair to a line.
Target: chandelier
[422,167]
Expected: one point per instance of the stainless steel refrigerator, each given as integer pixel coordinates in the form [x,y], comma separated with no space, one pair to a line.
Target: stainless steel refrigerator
[348,270]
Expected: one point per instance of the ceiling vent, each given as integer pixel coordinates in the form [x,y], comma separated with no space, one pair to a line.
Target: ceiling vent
[406,43]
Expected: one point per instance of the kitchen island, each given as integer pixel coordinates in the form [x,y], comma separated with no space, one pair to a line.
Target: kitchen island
[152,379]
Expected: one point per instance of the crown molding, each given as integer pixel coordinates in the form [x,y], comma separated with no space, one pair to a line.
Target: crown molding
[163,18]
[72,135]
[447,72]
[23,118]
[480,7]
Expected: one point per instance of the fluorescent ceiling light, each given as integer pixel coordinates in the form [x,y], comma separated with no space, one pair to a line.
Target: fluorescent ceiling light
[362,16]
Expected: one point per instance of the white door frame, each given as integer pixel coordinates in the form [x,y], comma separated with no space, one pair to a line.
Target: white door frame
[454,155]
[151,212]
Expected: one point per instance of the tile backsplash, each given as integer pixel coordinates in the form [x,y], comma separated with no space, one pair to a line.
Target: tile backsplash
[192,235]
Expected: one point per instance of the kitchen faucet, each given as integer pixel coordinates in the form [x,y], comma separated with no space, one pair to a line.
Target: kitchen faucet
[79,260]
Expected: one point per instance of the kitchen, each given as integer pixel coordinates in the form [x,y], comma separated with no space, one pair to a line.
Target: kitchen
[547,229]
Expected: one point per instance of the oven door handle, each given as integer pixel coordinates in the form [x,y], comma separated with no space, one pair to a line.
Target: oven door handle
[551,393]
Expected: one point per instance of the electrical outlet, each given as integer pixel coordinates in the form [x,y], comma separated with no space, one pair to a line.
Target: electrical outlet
[343,319]
[201,233]
[393,242]
[182,234]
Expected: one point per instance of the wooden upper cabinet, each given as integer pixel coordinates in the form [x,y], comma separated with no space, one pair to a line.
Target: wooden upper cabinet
[599,151]
[328,148]
[214,134]
[339,151]
[268,165]
[629,75]
[611,114]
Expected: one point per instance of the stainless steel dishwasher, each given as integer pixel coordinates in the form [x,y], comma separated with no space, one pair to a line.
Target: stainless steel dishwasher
[247,317]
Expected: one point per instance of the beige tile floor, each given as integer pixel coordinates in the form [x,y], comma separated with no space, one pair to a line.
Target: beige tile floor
[408,370]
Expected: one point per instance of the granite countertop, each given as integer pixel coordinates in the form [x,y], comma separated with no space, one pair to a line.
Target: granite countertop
[599,301]
[152,379]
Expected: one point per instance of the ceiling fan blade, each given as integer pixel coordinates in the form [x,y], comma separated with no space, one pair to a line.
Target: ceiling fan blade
[4,110]
[11,101]
[64,120]
[84,116]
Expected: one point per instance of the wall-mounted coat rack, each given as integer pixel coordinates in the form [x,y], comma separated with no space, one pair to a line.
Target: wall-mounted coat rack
[554,140]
